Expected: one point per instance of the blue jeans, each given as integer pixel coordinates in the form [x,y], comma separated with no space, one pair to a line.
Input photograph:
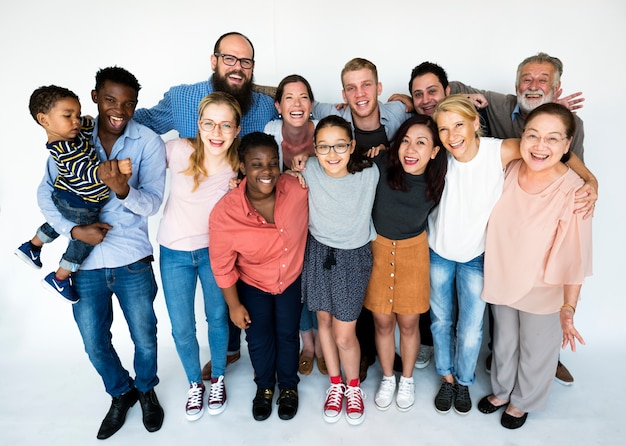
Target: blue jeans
[77,251]
[457,357]
[180,271]
[135,288]
[273,336]
[308,319]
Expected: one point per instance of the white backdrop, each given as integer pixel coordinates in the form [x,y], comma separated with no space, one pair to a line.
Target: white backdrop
[169,42]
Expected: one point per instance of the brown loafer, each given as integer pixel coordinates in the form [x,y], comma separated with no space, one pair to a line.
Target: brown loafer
[208,367]
[305,366]
[321,365]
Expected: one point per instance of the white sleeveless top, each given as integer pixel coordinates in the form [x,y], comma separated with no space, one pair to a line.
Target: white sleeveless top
[457,227]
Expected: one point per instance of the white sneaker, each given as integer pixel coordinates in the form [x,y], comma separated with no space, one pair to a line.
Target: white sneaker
[406,394]
[384,395]
[195,401]
[423,357]
[355,409]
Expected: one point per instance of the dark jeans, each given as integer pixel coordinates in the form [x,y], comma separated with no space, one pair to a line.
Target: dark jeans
[273,336]
[77,251]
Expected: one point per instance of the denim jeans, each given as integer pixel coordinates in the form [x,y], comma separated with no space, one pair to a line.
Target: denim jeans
[308,319]
[273,336]
[180,271]
[77,251]
[135,288]
[456,356]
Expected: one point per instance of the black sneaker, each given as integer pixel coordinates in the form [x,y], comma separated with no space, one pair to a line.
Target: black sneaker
[445,397]
[462,401]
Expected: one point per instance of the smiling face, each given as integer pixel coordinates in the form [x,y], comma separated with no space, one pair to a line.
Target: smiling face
[235,77]
[458,135]
[334,164]
[417,149]
[544,142]
[62,122]
[261,167]
[427,91]
[218,140]
[295,104]
[361,91]
[116,106]
[536,85]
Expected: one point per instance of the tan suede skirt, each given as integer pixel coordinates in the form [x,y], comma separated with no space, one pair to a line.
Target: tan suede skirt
[400,280]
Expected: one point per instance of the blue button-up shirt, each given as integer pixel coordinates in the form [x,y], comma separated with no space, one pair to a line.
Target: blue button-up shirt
[178,110]
[128,240]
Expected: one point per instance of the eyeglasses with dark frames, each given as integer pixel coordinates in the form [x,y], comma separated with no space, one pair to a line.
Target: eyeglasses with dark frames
[231,61]
[339,148]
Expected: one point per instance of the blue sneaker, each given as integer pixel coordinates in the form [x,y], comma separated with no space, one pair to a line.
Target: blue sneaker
[62,288]
[29,254]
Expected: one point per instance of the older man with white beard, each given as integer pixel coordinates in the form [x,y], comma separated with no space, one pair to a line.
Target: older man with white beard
[538,81]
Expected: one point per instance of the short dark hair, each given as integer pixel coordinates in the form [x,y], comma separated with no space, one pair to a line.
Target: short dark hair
[43,99]
[429,67]
[292,78]
[561,112]
[118,75]
[216,48]
[254,140]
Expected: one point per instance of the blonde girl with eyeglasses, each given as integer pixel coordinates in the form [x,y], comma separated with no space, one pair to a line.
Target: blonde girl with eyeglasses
[200,170]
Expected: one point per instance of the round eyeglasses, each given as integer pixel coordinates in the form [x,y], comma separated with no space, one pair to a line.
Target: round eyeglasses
[225,127]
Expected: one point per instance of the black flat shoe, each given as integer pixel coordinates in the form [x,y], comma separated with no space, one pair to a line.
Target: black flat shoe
[262,404]
[116,416]
[511,422]
[287,404]
[485,405]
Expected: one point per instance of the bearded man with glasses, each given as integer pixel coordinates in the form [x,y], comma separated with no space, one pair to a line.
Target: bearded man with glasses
[232,63]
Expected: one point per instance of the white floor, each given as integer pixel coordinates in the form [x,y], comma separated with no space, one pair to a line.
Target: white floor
[50,395]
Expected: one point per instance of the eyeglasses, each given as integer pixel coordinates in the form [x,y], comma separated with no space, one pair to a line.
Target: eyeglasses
[231,61]
[339,148]
[534,139]
[208,126]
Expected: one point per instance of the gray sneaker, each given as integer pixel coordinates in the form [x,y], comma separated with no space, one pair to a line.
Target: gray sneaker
[423,357]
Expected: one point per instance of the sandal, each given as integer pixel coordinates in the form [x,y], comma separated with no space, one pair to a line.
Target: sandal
[305,366]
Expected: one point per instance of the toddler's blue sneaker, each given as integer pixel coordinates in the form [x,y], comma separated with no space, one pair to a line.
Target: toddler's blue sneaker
[30,254]
[61,288]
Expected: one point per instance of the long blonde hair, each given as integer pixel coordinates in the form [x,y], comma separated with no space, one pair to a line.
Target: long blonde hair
[196,159]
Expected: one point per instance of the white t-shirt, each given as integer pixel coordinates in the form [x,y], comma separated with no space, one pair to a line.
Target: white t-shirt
[457,227]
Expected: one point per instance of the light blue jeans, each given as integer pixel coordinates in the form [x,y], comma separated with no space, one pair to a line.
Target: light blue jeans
[180,271]
[456,356]
[135,288]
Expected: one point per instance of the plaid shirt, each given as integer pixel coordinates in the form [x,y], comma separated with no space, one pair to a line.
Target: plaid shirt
[178,110]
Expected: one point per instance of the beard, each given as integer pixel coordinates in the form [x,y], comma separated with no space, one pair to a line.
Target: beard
[527,105]
[242,94]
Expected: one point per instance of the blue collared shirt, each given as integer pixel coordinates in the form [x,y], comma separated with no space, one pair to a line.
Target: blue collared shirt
[128,240]
[178,110]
